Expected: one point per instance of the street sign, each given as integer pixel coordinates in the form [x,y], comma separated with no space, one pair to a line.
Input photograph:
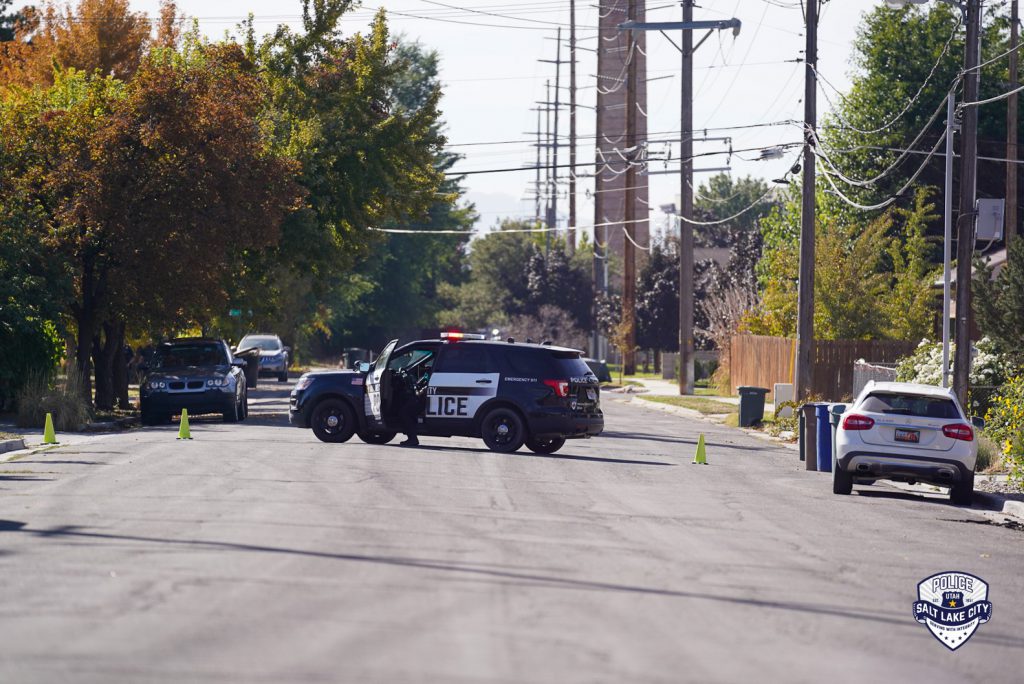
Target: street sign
[235,313]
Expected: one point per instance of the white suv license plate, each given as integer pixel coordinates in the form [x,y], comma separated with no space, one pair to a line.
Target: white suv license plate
[911,436]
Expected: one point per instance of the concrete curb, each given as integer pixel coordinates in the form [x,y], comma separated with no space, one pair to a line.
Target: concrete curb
[1001,505]
[12,445]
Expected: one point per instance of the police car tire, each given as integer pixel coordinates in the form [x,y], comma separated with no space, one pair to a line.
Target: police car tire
[506,442]
[282,377]
[346,421]
[962,493]
[376,437]
[545,446]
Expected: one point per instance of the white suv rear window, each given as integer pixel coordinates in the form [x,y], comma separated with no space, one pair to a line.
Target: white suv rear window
[911,405]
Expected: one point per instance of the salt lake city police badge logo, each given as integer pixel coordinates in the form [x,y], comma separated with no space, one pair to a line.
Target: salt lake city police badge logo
[952,605]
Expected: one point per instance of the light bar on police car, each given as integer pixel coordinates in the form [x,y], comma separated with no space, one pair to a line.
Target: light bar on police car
[456,336]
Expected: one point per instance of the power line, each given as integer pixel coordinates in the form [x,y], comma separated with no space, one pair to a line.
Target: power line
[838,114]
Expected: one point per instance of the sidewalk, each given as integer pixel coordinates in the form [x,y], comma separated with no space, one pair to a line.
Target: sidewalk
[668,388]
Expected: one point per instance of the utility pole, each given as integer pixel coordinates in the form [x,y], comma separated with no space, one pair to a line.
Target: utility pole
[804,371]
[686,289]
[968,190]
[947,242]
[536,184]
[549,170]
[685,212]
[1011,131]
[570,234]
[629,215]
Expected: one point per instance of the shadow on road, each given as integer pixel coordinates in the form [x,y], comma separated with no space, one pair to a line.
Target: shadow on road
[566,457]
[891,618]
[676,440]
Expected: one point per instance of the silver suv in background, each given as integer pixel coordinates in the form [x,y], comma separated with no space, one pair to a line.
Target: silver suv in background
[275,357]
[906,432]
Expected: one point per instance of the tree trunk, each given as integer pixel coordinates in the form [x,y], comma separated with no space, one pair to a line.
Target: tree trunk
[83,357]
[657,360]
[120,369]
[101,369]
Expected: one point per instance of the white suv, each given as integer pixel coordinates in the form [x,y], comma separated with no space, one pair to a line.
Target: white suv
[907,432]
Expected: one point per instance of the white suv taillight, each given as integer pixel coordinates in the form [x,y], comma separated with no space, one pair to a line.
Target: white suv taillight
[857,422]
[561,387]
[959,431]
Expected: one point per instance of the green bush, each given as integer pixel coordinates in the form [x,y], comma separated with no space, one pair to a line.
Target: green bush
[63,399]
[1004,424]
[31,346]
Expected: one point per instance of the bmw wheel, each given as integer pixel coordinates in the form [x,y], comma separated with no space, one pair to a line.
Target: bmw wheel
[502,430]
[333,421]
[234,412]
[545,446]
[377,437]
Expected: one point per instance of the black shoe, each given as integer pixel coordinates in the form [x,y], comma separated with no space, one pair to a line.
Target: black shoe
[410,442]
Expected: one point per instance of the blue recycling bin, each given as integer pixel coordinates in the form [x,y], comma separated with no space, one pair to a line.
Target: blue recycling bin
[823,415]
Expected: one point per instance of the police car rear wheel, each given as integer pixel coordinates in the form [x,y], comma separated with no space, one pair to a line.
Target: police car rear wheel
[545,446]
[377,437]
[502,430]
[333,421]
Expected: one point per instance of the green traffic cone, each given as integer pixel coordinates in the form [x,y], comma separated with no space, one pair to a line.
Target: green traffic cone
[701,457]
[49,435]
[183,430]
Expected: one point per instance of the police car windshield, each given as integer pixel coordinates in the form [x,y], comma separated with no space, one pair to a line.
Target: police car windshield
[188,355]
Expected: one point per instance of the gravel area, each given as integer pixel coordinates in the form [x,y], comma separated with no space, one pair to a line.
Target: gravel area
[998,484]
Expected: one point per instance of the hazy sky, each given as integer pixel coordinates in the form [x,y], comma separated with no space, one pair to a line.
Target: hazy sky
[492,78]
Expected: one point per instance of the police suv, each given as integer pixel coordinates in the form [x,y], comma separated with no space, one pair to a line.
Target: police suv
[506,393]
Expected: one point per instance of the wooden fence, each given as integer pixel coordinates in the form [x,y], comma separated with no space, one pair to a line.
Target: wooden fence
[763,361]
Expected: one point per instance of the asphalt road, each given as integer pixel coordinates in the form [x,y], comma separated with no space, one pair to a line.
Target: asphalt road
[257,554]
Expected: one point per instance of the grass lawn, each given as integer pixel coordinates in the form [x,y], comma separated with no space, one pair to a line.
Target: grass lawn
[705,406]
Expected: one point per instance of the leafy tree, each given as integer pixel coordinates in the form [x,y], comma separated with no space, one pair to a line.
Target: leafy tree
[909,304]
[894,52]
[657,310]
[102,36]
[999,304]
[722,197]
[367,162]
[399,295]
[866,276]
[8,20]
[134,176]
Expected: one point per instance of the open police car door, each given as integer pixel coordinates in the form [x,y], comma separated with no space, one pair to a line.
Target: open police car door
[378,384]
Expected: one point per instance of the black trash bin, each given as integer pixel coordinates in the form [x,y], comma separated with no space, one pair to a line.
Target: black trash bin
[251,357]
[809,436]
[751,405]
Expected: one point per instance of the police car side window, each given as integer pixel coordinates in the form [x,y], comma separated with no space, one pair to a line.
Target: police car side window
[464,359]
[525,363]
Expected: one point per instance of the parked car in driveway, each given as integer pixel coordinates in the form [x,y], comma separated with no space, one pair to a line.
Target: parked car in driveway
[197,374]
[275,357]
[906,432]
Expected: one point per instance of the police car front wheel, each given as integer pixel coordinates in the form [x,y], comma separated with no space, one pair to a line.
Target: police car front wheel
[502,430]
[333,421]
[545,446]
